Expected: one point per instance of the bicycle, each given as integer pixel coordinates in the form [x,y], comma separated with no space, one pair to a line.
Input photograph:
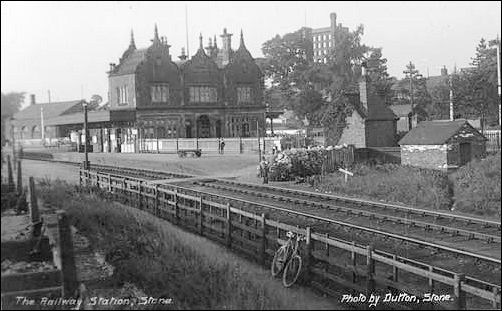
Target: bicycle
[288,261]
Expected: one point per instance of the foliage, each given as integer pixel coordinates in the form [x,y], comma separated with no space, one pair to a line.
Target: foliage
[296,163]
[409,185]
[474,89]
[376,67]
[11,102]
[314,90]
[477,187]
[164,261]
[416,91]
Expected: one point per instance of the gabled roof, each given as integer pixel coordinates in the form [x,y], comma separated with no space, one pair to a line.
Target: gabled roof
[129,65]
[435,132]
[51,110]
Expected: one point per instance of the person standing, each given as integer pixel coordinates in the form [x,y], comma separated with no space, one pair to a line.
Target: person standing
[264,170]
[222,147]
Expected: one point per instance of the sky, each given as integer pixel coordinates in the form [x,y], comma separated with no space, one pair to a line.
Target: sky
[66,47]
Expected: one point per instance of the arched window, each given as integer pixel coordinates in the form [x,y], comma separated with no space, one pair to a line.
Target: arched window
[35,132]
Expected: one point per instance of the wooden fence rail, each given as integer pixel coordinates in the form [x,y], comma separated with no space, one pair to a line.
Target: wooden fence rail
[258,236]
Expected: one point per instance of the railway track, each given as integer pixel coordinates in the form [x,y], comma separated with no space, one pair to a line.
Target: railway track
[316,210]
[397,216]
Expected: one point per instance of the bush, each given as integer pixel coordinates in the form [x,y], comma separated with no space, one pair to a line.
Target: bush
[296,163]
[394,183]
[477,187]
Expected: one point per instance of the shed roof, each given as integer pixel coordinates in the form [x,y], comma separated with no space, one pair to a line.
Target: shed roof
[434,132]
[51,110]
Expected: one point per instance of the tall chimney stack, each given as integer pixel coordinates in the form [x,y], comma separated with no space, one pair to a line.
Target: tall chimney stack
[227,46]
[363,87]
[32,99]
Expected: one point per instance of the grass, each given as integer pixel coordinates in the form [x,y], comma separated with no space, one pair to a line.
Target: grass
[394,183]
[477,187]
[164,261]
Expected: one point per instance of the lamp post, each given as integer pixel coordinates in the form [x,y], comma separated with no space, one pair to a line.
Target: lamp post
[86,161]
[258,135]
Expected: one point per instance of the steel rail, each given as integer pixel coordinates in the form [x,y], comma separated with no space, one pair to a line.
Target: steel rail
[358,212]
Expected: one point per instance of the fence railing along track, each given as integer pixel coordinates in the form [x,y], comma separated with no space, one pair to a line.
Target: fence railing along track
[344,262]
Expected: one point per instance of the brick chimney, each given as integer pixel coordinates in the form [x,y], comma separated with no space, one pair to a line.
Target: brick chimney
[32,99]
[227,46]
[363,87]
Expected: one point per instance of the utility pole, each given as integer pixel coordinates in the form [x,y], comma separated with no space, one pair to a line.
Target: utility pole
[412,73]
[498,73]
[42,130]
[451,98]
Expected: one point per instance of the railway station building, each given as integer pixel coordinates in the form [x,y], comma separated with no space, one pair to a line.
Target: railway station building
[216,93]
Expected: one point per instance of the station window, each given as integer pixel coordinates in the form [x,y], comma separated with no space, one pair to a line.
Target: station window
[202,94]
[159,93]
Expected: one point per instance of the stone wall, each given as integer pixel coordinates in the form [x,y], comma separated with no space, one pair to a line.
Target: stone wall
[425,156]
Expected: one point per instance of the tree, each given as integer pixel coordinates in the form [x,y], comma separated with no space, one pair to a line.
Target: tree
[413,91]
[10,103]
[377,72]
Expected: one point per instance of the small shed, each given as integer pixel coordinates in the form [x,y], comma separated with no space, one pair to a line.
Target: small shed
[442,144]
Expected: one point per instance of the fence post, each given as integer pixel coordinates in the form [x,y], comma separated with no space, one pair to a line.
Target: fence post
[229,227]
[495,292]
[370,266]
[34,213]
[201,218]
[353,261]
[80,177]
[124,194]
[68,268]
[156,203]
[176,208]
[109,182]
[140,203]
[19,178]
[11,186]
[308,251]
[264,238]
[395,270]
[459,293]
[431,281]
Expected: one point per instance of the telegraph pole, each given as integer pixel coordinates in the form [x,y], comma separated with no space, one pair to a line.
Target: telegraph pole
[451,98]
[412,72]
[498,73]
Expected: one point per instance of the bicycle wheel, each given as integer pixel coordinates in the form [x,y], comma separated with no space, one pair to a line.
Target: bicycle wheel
[292,271]
[279,261]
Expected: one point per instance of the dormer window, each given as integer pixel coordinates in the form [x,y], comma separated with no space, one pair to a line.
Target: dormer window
[244,94]
[159,93]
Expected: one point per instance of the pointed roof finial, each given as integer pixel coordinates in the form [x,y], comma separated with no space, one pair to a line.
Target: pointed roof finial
[156,34]
[132,43]
[200,41]
[242,40]
[214,42]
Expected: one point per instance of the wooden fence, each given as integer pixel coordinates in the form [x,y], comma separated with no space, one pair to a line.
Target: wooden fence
[327,259]
[493,143]
[55,245]
[337,158]
[233,145]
